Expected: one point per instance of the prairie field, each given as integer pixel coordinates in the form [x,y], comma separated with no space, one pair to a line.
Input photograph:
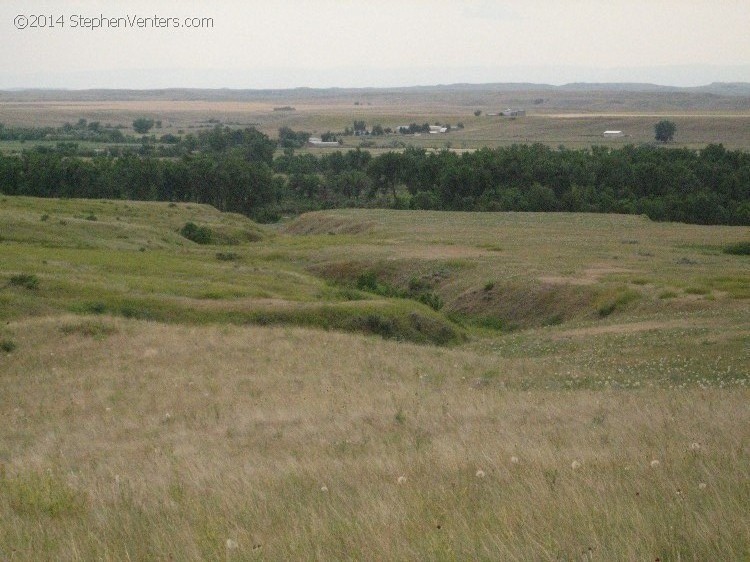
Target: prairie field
[370,385]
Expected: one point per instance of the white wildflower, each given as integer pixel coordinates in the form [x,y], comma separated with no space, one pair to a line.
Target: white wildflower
[324,488]
[702,486]
[695,446]
[575,465]
[480,473]
[402,479]
[514,460]
[232,544]
[655,463]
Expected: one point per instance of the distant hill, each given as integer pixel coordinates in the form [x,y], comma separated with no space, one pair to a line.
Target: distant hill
[542,98]
[725,88]
[716,88]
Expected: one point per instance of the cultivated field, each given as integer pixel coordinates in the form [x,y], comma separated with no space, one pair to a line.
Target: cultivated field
[371,385]
[572,118]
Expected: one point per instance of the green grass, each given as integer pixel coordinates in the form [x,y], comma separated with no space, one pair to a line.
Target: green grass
[285,395]
[738,249]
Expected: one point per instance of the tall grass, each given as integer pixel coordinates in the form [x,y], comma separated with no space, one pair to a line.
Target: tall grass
[157,441]
[160,402]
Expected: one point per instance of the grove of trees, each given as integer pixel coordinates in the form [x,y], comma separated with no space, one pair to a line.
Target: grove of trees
[238,170]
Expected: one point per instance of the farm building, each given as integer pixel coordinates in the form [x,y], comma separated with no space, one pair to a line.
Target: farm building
[434,129]
[316,141]
[611,134]
[513,113]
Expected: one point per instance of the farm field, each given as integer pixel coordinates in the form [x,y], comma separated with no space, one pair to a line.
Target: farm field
[574,119]
[370,384]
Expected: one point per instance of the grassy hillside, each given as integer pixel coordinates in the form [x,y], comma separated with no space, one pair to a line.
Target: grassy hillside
[370,385]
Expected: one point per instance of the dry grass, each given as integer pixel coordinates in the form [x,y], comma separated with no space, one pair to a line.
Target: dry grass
[202,439]
[156,442]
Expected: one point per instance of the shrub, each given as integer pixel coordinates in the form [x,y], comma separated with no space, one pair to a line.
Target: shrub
[738,249]
[25,280]
[7,345]
[367,281]
[96,307]
[380,325]
[417,285]
[607,309]
[431,299]
[197,234]
[227,256]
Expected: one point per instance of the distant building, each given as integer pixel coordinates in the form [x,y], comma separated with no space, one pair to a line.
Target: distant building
[435,129]
[611,134]
[316,141]
[513,113]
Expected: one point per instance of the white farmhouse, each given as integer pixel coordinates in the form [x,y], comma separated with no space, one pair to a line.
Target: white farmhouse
[317,141]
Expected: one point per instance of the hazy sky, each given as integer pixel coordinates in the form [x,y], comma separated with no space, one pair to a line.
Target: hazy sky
[320,43]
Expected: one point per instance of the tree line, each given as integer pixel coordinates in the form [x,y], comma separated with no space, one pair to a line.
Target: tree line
[238,170]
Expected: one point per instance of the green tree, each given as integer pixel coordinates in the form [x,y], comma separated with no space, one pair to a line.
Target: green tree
[143,125]
[292,139]
[384,171]
[665,130]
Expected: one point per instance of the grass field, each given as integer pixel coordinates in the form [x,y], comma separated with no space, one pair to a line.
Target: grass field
[373,385]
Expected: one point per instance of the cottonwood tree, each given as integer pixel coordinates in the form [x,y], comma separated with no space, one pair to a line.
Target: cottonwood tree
[665,130]
[142,125]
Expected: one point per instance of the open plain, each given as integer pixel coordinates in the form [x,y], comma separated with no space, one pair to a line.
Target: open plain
[567,116]
[373,384]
